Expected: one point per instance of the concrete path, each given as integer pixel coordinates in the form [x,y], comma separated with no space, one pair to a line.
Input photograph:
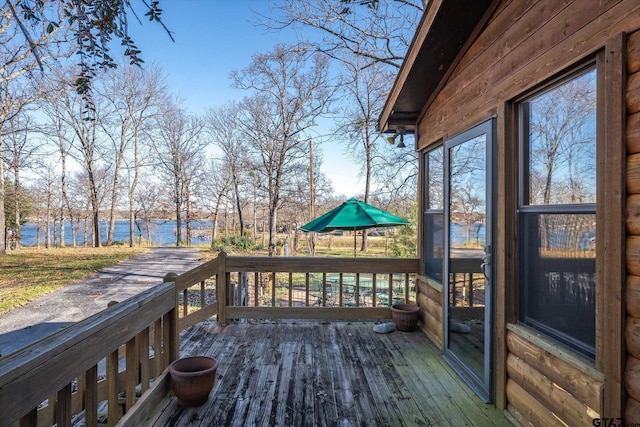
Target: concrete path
[57,310]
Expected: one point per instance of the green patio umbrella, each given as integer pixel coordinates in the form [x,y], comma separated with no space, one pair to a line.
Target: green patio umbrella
[353,215]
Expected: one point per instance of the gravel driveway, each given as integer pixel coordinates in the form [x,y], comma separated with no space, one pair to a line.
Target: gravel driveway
[57,310]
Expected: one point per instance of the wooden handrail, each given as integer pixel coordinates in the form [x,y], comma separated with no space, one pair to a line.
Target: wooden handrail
[50,366]
[224,270]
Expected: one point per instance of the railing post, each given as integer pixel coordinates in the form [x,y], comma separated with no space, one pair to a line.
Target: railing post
[221,288]
[173,333]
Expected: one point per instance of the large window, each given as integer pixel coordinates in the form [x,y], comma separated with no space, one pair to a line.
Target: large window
[557,211]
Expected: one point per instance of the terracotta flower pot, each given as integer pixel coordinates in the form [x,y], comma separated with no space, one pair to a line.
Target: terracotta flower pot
[405,316]
[192,379]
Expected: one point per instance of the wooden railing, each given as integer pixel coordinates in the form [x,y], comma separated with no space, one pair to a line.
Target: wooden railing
[297,288]
[466,279]
[81,367]
[118,358]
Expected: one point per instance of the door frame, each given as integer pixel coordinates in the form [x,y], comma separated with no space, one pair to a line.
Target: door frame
[483,387]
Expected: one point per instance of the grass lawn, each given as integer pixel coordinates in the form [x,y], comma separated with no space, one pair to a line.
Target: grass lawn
[327,245]
[28,273]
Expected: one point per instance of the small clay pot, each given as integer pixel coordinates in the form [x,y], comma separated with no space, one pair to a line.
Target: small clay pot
[192,379]
[405,316]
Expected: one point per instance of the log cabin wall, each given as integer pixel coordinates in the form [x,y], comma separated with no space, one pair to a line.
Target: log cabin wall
[632,379]
[430,297]
[524,44]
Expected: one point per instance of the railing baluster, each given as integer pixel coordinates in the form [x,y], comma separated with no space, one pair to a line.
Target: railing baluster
[357,289]
[290,289]
[145,371]
[31,419]
[185,302]
[306,287]
[157,347]
[256,286]
[203,303]
[132,366]
[324,289]
[166,340]
[63,410]
[91,397]
[341,289]
[273,289]
[113,407]
[238,296]
[406,287]
[390,289]
[374,290]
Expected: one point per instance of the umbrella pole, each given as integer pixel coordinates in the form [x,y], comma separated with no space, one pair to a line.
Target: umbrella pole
[355,242]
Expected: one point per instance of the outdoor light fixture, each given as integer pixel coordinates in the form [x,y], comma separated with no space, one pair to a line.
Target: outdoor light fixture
[392,139]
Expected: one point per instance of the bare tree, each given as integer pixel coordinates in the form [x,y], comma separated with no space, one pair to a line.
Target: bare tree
[362,34]
[85,149]
[56,131]
[21,154]
[148,198]
[378,31]
[217,181]
[224,125]
[20,74]
[179,148]
[365,90]
[561,142]
[562,157]
[131,98]
[291,91]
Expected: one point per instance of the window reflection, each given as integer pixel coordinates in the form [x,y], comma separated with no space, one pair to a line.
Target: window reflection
[434,215]
[562,135]
[559,268]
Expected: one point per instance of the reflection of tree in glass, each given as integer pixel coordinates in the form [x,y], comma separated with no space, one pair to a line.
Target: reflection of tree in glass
[434,179]
[468,183]
[562,135]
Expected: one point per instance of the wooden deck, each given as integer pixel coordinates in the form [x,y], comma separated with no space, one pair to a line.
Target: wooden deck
[293,373]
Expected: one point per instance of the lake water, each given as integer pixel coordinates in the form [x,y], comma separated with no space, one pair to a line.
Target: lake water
[162,233]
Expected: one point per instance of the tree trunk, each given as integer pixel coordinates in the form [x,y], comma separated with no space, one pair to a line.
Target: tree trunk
[237,191]
[112,208]
[188,218]
[47,230]
[16,191]
[3,232]
[132,189]
[273,229]
[62,232]
[178,224]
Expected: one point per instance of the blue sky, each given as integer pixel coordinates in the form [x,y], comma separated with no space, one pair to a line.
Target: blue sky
[212,38]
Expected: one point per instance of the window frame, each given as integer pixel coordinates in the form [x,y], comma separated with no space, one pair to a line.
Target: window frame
[429,211]
[524,207]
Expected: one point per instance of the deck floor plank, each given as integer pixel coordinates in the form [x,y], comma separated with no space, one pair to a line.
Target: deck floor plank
[344,397]
[324,374]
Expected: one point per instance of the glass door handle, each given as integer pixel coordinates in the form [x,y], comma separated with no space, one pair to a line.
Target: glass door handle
[486,263]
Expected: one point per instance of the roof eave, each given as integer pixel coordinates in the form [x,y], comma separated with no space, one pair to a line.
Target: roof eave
[433,53]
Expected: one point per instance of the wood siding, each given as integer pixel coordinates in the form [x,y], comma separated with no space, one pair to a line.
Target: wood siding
[632,329]
[524,45]
[430,298]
